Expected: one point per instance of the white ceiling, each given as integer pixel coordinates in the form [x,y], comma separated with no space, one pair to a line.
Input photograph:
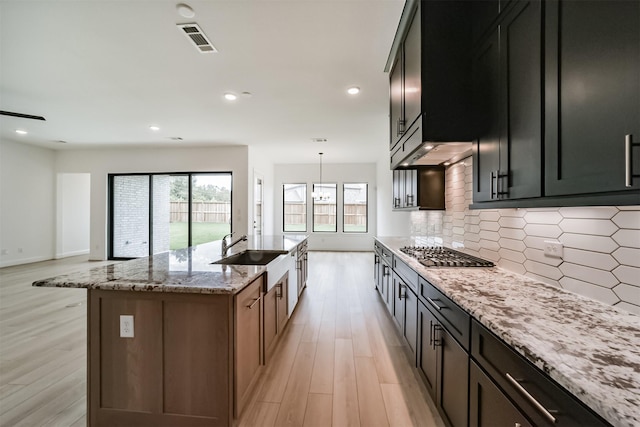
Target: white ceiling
[102,71]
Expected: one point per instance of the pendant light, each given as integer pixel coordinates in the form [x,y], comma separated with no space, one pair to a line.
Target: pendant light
[320,195]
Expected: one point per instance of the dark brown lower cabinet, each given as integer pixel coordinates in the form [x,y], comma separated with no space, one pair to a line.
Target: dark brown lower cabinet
[444,365]
[541,399]
[405,311]
[488,405]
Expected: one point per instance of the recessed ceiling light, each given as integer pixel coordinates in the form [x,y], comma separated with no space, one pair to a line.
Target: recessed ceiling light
[21,132]
[230,96]
[154,128]
[446,163]
[246,94]
[185,10]
[428,147]
[353,90]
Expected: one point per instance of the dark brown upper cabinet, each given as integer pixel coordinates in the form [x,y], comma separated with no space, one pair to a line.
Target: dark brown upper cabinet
[592,97]
[419,188]
[429,76]
[507,99]
[556,102]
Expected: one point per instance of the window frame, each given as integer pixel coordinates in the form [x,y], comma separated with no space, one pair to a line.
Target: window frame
[150,175]
[366,191]
[313,210]
[306,207]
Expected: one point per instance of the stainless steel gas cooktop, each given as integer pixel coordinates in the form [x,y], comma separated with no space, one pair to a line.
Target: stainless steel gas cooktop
[438,256]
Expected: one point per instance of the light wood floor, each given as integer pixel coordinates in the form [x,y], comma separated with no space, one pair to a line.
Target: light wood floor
[340,361]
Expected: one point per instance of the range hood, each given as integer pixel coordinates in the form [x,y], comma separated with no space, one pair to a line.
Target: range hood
[442,154]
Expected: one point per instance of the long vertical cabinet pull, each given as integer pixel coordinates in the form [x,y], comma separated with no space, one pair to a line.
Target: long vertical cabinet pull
[628,163]
[492,193]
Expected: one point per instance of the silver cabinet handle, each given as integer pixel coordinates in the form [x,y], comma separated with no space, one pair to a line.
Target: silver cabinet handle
[628,162]
[434,341]
[385,270]
[531,399]
[494,177]
[400,294]
[250,307]
[433,303]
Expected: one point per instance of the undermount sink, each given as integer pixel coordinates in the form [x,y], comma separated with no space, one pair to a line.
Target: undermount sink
[251,257]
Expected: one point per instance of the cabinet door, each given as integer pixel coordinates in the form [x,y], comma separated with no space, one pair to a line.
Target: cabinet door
[282,295]
[376,271]
[520,144]
[410,199]
[396,100]
[270,325]
[248,315]
[428,351]
[488,405]
[453,384]
[412,71]
[592,98]
[486,106]
[399,291]
[398,188]
[387,287]
[411,319]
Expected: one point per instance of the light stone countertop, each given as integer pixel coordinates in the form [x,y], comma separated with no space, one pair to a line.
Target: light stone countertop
[589,348]
[184,270]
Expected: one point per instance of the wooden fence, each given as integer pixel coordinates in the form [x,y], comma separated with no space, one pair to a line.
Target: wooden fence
[202,212]
[354,214]
[294,213]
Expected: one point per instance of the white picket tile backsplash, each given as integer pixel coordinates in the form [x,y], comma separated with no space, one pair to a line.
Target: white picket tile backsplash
[601,258]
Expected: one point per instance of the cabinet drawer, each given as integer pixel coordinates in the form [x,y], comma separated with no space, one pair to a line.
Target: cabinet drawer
[453,318]
[385,254]
[407,273]
[539,397]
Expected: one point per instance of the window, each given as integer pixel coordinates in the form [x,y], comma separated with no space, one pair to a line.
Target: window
[153,213]
[355,206]
[324,208]
[295,207]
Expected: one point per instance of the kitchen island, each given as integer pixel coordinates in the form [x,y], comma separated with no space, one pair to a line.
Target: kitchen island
[176,340]
[590,349]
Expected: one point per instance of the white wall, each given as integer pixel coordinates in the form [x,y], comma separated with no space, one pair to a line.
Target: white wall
[261,163]
[101,162]
[331,173]
[27,203]
[72,214]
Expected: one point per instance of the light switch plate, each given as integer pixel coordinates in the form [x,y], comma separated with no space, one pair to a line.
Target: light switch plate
[553,248]
[126,326]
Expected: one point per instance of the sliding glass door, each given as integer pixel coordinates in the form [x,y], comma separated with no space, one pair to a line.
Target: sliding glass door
[153,213]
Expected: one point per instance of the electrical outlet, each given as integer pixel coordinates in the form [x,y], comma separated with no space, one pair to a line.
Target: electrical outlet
[553,249]
[126,326]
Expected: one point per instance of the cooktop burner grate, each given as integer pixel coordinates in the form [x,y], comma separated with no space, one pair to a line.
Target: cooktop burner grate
[438,256]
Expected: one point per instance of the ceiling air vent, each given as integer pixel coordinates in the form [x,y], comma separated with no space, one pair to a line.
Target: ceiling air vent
[197,37]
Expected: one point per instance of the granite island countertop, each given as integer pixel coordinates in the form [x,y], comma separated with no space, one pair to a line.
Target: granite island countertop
[186,270]
[590,348]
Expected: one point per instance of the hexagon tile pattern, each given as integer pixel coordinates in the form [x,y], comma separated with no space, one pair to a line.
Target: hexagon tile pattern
[601,245]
